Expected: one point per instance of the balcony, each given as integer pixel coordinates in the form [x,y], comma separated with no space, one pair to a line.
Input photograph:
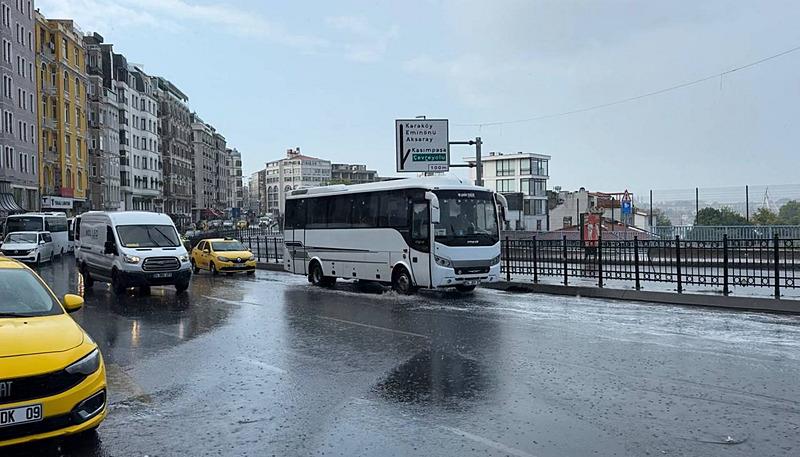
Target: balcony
[48,89]
[49,123]
[48,52]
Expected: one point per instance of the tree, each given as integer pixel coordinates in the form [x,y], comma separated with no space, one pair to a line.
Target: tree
[660,219]
[724,216]
[789,214]
[765,217]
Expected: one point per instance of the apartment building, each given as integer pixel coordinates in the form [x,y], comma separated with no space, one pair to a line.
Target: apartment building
[19,187]
[524,175]
[346,173]
[141,180]
[103,123]
[293,172]
[203,164]
[236,187]
[176,151]
[257,192]
[222,173]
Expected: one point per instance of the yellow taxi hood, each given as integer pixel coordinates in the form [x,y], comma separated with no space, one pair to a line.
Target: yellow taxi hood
[38,335]
[234,254]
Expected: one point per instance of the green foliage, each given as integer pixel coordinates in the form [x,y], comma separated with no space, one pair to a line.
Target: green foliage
[724,216]
[660,219]
[789,214]
[765,217]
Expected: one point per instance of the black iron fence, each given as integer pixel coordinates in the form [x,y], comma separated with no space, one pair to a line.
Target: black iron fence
[724,264]
[265,244]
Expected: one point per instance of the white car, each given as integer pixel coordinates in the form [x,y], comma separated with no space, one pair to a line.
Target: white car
[32,247]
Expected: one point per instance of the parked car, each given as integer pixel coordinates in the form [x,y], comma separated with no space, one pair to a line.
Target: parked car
[32,247]
[223,255]
[132,249]
[52,377]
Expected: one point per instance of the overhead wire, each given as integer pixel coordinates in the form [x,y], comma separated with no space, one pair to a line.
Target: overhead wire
[633,98]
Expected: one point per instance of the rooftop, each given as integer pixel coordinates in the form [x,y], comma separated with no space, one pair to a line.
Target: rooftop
[491,156]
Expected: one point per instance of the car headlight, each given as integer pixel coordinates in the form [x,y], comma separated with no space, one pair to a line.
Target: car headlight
[496,260]
[252,257]
[443,262]
[86,365]
[131,259]
[223,259]
[185,258]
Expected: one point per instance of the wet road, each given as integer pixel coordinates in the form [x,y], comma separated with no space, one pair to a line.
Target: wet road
[272,366]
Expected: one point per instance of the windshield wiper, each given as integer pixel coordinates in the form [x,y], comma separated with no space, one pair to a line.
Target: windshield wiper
[162,234]
[17,315]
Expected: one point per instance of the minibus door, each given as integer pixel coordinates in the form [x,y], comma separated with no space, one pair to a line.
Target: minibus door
[421,243]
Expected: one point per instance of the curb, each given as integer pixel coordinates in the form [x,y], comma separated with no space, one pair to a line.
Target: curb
[270,266]
[669,298]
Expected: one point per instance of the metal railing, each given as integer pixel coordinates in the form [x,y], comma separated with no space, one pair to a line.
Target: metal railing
[267,245]
[772,263]
[716,232]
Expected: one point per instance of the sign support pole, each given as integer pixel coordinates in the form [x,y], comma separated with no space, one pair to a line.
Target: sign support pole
[477,142]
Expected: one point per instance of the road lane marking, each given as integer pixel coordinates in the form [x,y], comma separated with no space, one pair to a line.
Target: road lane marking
[487,442]
[261,364]
[418,335]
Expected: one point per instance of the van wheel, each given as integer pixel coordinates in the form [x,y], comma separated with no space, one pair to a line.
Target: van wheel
[116,283]
[88,281]
[213,268]
[181,287]
[195,270]
[401,282]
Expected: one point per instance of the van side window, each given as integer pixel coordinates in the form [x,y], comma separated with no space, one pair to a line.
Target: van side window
[110,235]
[47,238]
[77,226]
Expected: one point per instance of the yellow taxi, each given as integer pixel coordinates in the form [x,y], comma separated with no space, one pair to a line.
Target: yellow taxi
[52,376]
[223,255]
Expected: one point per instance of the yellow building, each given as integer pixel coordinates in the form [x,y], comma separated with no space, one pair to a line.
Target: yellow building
[61,91]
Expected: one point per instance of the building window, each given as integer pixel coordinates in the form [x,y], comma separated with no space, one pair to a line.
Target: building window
[505,168]
[506,185]
[539,167]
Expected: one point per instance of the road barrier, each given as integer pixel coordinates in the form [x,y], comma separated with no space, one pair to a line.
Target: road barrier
[725,263]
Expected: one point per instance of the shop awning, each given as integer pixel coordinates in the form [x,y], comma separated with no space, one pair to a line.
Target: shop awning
[9,205]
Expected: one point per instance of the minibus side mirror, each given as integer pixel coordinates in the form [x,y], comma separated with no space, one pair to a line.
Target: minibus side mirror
[434,202]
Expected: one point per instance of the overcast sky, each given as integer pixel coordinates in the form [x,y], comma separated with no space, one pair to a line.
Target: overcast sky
[331,77]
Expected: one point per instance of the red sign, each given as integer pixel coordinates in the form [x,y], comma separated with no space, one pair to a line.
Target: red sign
[591,229]
[67,192]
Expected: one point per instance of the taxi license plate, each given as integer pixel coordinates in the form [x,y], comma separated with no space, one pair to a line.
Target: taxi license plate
[162,275]
[20,415]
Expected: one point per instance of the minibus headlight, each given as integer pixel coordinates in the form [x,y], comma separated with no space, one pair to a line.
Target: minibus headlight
[86,365]
[443,262]
[223,259]
[496,260]
[131,259]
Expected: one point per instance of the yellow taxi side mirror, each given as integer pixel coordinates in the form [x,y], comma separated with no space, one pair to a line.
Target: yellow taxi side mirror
[72,302]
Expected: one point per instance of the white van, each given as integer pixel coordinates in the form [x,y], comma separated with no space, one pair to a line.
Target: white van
[131,249]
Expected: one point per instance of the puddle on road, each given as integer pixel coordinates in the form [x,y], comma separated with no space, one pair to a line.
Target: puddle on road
[432,377]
